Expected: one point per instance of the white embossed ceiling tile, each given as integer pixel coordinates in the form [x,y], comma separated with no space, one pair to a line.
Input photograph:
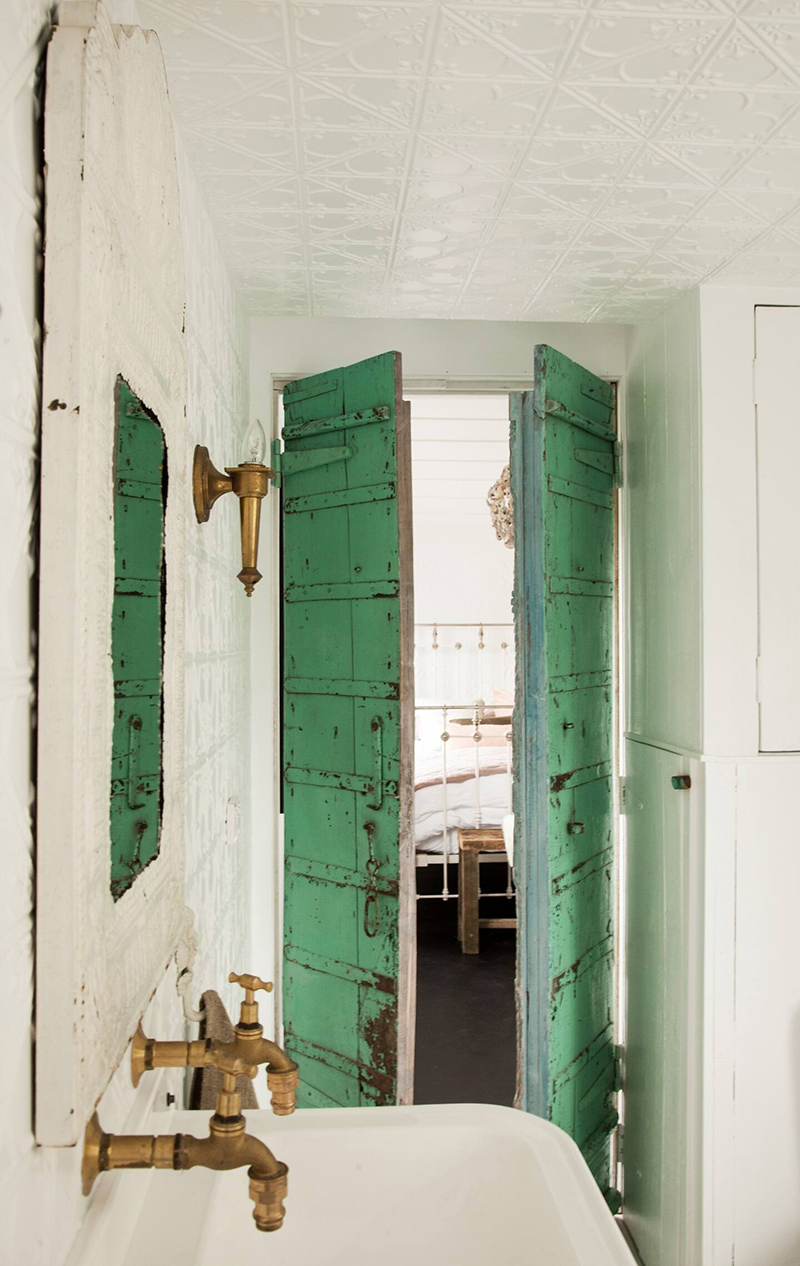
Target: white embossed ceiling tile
[569,159]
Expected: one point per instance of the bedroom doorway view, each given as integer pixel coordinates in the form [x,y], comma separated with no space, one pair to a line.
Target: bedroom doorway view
[464,688]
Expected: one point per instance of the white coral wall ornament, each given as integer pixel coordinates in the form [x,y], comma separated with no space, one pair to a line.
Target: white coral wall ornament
[501,508]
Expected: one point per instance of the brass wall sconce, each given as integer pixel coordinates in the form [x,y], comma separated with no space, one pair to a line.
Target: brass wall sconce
[250,481]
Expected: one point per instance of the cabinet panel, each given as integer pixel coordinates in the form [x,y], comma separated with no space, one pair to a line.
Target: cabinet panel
[662,956]
[766,1209]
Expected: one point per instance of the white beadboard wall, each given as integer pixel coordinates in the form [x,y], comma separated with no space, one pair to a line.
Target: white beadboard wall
[42,1204]
[661,472]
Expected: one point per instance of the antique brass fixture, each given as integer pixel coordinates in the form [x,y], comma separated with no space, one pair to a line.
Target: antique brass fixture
[227,1146]
[249,1046]
[250,482]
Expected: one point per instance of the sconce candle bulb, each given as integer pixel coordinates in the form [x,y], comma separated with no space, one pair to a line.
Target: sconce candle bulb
[255,444]
[250,482]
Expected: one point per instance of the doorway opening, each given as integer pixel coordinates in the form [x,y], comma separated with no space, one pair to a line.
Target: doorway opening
[463,764]
[355,864]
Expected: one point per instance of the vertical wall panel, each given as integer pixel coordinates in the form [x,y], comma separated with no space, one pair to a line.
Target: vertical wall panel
[778,463]
[661,470]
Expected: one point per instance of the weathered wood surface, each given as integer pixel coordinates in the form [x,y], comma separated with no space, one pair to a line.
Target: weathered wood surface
[562,450]
[114,305]
[470,844]
[347,621]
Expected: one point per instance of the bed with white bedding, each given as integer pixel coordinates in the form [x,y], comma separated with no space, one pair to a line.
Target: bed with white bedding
[467,797]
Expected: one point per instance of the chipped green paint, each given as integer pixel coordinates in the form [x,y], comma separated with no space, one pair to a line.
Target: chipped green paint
[137,637]
[562,480]
[342,733]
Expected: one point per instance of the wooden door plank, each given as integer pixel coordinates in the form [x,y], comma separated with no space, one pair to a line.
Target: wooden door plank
[562,474]
[348,732]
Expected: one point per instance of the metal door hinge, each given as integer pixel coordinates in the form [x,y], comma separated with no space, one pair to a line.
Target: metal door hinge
[619,1073]
[276,461]
[622,796]
[617,464]
[614,1200]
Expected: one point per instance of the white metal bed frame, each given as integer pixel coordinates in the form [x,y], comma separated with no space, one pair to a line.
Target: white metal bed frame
[476,712]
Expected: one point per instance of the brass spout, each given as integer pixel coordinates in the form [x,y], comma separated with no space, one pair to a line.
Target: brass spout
[226,1147]
[268,1194]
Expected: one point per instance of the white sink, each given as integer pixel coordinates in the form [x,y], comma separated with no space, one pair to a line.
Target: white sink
[469,1184]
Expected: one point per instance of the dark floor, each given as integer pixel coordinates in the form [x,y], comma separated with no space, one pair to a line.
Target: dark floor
[466,1021]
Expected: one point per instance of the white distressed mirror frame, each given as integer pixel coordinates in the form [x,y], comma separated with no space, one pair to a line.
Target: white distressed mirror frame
[114,305]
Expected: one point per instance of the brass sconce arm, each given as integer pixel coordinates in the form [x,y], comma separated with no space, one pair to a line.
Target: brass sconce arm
[250,482]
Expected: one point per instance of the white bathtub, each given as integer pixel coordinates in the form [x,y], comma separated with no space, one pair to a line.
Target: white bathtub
[468,1185]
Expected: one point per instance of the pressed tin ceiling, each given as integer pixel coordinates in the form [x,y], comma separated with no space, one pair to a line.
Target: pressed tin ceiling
[573,160]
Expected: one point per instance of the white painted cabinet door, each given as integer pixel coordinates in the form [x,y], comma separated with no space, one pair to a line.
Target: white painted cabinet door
[778,470]
[661,1136]
[766,1017]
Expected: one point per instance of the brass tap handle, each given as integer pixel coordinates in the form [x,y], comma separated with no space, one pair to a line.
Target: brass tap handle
[248,1014]
[251,984]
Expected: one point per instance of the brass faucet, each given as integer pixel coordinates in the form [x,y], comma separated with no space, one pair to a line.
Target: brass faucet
[249,1045]
[226,1147]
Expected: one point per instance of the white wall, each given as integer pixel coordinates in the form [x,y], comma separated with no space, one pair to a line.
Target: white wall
[42,1205]
[752,984]
[662,625]
[693,577]
[443,350]
[661,470]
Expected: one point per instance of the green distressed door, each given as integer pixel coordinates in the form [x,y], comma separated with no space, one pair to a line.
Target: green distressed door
[562,481]
[137,640]
[347,733]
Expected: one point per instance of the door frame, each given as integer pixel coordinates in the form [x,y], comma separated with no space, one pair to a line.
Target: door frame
[267,622]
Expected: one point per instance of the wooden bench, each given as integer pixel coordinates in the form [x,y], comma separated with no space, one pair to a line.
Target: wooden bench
[470,844]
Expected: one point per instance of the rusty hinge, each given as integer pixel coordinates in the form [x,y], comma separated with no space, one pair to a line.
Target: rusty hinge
[619,1070]
[602,460]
